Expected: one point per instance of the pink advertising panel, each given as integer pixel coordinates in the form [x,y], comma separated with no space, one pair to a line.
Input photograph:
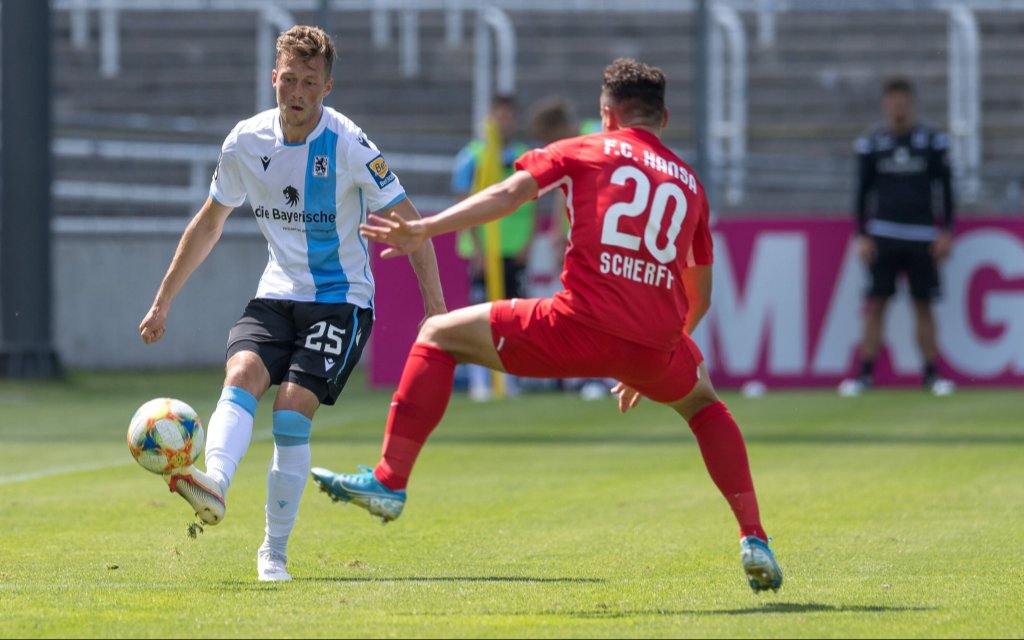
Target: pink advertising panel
[787,303]
[788,299]
[399,306]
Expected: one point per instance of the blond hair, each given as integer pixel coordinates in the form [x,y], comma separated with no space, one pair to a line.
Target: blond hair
[306,43]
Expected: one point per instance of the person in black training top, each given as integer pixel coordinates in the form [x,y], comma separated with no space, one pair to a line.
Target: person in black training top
[900,164]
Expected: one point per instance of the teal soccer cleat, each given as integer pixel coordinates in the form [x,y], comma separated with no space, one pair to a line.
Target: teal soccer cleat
[759,563]
[362,489]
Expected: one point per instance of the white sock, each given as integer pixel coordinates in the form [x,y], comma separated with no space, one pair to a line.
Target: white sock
[286,478]
[286,481]
[228,434]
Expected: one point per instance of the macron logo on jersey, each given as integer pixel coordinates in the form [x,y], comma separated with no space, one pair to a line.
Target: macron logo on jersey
[381,173]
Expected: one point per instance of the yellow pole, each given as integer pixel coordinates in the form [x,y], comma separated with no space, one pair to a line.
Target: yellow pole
[488,172]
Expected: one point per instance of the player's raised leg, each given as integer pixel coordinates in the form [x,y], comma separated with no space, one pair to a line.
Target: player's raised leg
[230,430]
[463,335]
[228,435]
[725,456]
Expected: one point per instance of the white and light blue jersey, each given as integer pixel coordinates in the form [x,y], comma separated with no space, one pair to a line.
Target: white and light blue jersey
[309,199]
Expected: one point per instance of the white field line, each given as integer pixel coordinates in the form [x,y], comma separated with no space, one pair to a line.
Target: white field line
[57,471]
[48,472]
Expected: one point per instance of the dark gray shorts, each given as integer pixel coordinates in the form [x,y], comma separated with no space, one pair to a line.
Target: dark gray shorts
[315,345]
[909,257]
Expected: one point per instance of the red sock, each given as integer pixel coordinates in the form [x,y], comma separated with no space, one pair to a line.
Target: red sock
[416,408]
[725,456]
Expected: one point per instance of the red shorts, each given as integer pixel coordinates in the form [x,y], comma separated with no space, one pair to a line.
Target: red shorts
[534,340]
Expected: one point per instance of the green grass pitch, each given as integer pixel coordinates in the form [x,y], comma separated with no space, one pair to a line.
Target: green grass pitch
[894,515]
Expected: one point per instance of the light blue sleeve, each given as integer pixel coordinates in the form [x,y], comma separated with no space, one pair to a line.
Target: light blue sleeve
[463,170]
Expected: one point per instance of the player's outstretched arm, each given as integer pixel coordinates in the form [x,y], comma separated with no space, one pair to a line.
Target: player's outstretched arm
[196,243]
[424,264]
[405,236]
[697,286]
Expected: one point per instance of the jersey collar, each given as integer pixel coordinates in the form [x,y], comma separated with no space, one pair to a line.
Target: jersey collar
[644,135]
[312,135]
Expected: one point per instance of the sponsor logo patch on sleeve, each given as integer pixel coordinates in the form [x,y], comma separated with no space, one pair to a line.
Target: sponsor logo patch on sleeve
[381,173]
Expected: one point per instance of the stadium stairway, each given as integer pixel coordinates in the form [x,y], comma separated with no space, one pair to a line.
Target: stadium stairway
[188,76]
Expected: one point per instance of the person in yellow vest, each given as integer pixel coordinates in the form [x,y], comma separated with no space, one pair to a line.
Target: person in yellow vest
[516,230]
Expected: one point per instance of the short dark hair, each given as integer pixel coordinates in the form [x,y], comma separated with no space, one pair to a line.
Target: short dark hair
[636,88]
[551,117]
[305,43]
[506,100]
[897,84]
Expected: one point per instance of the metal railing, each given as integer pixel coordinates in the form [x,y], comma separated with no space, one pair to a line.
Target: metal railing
[199,158]
[727,101]
[275,16]
[965,101]
[485,81]
[270,17]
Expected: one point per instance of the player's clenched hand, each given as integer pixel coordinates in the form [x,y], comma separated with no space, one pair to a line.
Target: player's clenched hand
[628,397]
[404,236]
[152,326]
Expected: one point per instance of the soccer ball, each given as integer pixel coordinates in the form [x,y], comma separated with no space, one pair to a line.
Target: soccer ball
[165,434]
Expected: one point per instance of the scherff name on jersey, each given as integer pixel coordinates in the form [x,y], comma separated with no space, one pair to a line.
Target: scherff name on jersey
[637,270]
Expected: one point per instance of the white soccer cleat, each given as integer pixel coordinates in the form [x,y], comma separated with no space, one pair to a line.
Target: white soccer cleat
[941,387]
[852,387]
[201,491]
[272,567]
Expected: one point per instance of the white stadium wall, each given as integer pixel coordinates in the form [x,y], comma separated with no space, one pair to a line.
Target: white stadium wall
[104,285]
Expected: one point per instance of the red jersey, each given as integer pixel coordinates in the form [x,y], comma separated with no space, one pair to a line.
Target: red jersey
[637,218]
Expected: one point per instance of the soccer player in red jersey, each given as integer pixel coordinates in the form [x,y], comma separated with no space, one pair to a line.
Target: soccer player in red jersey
[637,282]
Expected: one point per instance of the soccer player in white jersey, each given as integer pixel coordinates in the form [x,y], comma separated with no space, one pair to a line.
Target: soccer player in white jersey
[309,174]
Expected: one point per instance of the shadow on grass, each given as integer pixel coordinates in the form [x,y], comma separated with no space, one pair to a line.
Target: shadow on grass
[526,579]
[495,579]
[769,607]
